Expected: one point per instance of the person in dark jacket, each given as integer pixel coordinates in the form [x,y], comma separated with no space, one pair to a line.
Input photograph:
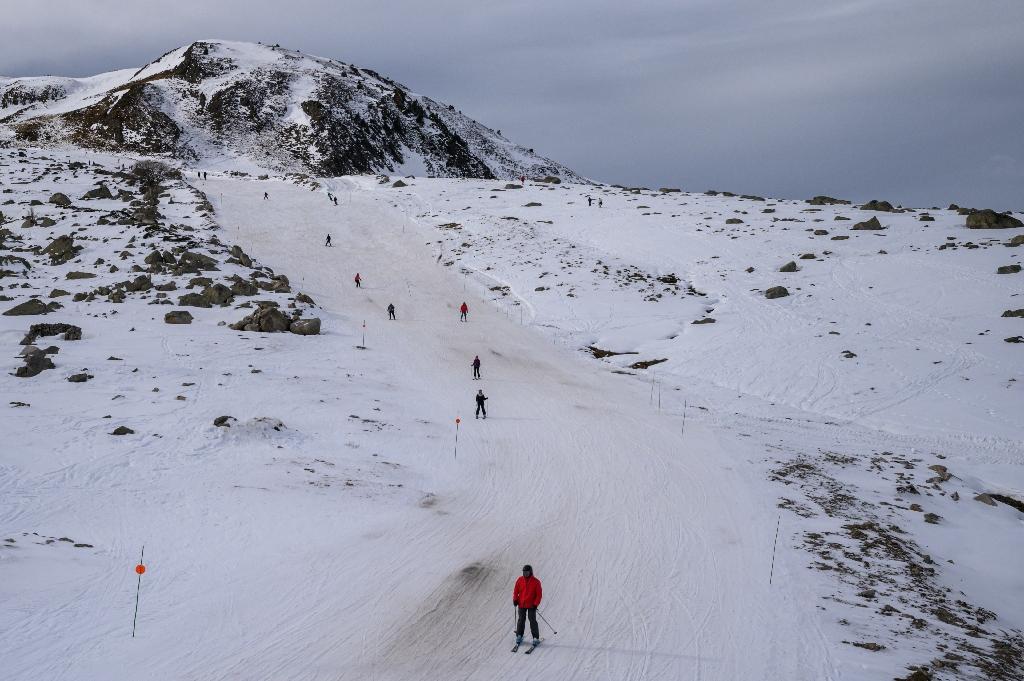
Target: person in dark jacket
[476,367]
[328,240]
[480,407]
[526,596]
[359,281]
[391,311]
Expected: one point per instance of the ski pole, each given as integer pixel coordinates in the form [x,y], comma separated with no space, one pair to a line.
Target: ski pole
[546,622]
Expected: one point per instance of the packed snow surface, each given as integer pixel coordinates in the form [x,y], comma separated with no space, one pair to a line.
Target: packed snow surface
[345,526]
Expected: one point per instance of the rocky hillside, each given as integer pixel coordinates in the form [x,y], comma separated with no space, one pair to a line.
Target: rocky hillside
[214,101]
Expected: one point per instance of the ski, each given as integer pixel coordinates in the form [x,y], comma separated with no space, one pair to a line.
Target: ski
[515,648]
[531,649]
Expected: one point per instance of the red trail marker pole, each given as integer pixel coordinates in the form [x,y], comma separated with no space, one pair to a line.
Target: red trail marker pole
[139,569]
[457,422]
[363,345]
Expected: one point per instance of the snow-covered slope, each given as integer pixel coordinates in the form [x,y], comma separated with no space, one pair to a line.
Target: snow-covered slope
[333,529]
[220,103]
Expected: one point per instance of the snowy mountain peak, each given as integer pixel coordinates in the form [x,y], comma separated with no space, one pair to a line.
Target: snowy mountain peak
[218,102]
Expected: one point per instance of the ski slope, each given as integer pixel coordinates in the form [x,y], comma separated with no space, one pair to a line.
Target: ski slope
[332,532]
[652,544]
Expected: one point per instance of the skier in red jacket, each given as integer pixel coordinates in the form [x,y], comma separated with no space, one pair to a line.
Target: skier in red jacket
[464,310]
[526,597]
[359,281]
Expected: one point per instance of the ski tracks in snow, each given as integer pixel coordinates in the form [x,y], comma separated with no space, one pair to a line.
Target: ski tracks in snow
[647,572]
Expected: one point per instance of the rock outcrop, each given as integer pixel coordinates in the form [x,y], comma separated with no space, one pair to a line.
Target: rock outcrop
[989,219]
[265,318]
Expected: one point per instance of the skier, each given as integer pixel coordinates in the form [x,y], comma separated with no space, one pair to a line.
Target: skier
[266,196]
[600,202]
[464,310]
[476,367]
[205,175]
[335,200]
[328,240]
[359,281]
[391,311]
[522,179]
[526,597]
[480,399]
[590,200]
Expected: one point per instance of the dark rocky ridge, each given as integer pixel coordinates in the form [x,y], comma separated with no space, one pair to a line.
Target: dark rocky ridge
[287,111]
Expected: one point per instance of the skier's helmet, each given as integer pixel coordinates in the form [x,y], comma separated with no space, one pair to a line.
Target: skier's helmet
[527,569]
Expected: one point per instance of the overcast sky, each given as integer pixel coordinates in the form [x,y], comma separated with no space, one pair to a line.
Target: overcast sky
[919,102]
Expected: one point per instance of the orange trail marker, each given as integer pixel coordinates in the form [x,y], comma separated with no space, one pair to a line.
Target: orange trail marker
[457,422]
[139,569]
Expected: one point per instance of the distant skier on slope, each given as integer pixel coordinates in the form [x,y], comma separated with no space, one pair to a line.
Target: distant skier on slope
[590,200]
[359,281]
[328,243]
[335,200]
[476,367]
[463,312]
[526,597]
[600,202]
[480,407]
[266,196]
[391,311]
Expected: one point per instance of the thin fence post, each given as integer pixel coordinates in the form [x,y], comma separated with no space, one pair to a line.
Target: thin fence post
[772,573]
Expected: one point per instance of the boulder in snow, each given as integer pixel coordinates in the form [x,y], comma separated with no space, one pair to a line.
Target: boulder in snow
[989,219]
[883,206]
[266,318]
[305,327]
[178,317]
[31,307]
[36,361]
[60,200]
[102,191]
[872,224]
